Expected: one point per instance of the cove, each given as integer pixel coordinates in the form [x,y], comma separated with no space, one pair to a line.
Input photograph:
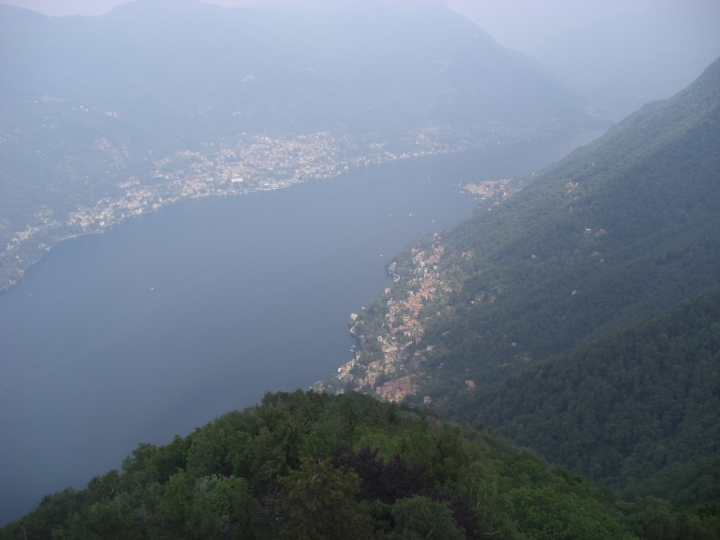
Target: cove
[172,318]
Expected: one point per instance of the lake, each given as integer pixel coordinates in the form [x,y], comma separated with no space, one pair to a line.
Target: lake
[172,318]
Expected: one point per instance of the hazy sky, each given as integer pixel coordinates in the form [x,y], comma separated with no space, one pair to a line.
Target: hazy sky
[519,24]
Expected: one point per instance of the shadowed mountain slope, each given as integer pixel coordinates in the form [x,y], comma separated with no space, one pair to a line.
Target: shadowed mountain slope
[636,410]
[620,230]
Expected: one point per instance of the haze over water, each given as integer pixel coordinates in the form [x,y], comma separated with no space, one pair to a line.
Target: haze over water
[175,317]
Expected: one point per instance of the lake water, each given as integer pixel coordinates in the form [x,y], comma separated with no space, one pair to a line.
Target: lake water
[173,318]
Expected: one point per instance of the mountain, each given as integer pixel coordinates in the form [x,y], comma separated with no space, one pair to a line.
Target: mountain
[622,63]
[110,116]
[616,233]
[636,410]
[309,465]
[184,68]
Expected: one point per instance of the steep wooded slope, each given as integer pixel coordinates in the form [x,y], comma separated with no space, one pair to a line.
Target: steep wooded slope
[638,410]
[622,229]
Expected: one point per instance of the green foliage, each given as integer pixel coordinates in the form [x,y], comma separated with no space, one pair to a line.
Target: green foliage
[50,513]
[542,291]
[546,514]
[618,231]
[418,518]
[651,518]
[209,507]
[106,520]
[222,448]
[637,410]
[317,501]
[424,475]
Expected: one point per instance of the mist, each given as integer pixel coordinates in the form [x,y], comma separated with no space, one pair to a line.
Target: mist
[196,197]
[617,54]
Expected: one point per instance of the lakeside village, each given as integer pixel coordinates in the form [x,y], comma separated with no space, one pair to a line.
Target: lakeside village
[388,364]
[390,360]
[248,164]
[255,164]
[258,163]
[393,352]
[245,164]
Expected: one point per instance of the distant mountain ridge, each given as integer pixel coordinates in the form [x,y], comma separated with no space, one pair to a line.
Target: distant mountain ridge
[354,67]
[168,92]
[622,63]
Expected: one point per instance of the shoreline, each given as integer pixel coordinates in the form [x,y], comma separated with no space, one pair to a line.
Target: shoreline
[305,158]
[242,166]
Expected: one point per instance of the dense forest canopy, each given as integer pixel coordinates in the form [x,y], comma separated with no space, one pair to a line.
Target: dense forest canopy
[314,466]
[637,410]
[544,316]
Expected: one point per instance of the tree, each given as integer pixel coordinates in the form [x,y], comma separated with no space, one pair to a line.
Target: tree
[418,518]
[318,502]
[209,507]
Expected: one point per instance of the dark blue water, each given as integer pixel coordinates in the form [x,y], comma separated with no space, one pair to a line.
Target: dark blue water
[172,318]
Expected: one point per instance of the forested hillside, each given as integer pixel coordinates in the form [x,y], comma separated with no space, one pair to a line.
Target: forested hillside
[314,466]
[616,233]
[620,230]
[638,410]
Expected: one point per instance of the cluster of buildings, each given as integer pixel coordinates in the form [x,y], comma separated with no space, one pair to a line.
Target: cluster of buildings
[247,163]
[108,211]
[490,188]
[251,163]
[402,315]
[396,390]
[392,374]
[22,236]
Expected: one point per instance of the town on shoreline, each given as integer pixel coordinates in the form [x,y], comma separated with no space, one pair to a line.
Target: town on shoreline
[392,352]
[245,164]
